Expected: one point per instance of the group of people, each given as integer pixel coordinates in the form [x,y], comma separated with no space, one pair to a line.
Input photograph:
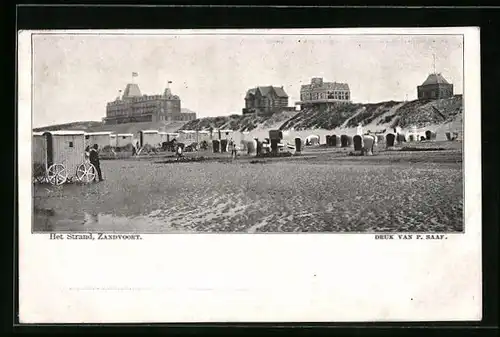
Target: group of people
[92,153]
[231,147]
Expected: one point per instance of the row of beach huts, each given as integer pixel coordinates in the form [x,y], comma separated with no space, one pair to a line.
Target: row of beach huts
[59,156]
[142,138]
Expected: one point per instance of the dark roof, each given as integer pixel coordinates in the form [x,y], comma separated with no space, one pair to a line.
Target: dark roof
[250,92]
[264,91]
[131,90]
[340,86]
[435,79]
[280,92]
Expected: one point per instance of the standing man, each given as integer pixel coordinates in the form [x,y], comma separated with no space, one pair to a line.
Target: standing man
[233,149]
[179,152]
[94,160]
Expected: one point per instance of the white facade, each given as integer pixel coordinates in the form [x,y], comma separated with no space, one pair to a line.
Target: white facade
[150,137]
[163,136]
[123,139]
[112,140]
[226,134]
[312,139]
[102,139]
[171,136]
[204,136]
[187,136]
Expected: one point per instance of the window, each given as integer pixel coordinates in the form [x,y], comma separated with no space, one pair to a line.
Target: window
[70,144]
[87,136]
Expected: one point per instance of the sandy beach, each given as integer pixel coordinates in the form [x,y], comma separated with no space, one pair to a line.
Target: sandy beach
[323,190]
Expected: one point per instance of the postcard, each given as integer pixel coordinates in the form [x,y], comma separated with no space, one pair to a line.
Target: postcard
[284,175]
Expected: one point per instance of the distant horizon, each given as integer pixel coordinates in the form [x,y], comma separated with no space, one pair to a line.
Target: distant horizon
[76,75]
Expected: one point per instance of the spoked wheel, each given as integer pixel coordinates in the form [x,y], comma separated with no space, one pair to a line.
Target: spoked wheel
[56,174]
[86,173]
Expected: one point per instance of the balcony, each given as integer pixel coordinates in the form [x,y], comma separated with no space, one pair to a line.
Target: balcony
[322,101]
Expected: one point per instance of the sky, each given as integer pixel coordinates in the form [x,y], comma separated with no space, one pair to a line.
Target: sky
[74,76]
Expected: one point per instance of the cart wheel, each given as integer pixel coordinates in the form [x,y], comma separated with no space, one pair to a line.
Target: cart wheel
[86,173]
[38,173]
[56,174]
[39,179]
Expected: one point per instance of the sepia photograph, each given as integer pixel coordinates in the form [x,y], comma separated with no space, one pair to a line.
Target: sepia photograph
[247,133]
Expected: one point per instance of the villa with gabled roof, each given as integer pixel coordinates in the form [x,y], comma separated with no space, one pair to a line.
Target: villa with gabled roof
[265,99]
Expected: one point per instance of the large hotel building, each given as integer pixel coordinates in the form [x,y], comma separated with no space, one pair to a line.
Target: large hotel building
[132,106]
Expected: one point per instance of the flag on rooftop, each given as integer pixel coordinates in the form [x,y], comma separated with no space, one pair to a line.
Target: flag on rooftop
[169,81]
[134,74]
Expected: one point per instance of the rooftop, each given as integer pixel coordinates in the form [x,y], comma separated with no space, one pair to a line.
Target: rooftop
[131,90]
[264,91]
[66,132]
[327,85]
[98,133]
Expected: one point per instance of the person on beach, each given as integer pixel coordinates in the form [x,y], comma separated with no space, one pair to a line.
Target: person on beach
[179,152]
[94,160]
[232,148]
[87,152]
[235,150]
